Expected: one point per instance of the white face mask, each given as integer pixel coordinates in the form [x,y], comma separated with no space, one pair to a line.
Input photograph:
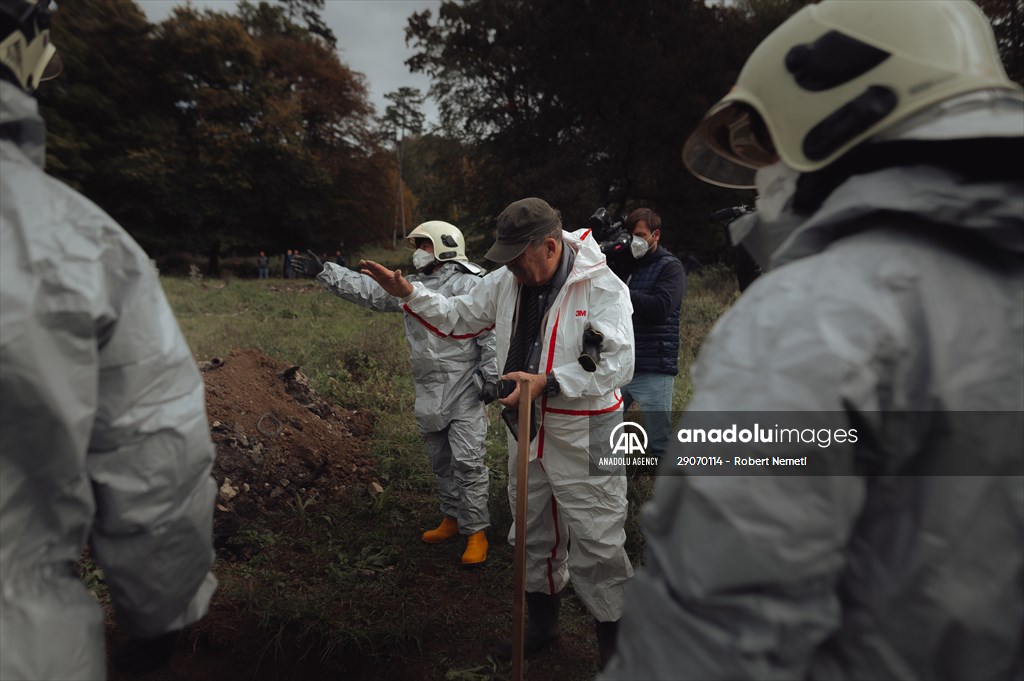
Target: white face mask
[776,186]
[638,247]
[421,260]
[762,233]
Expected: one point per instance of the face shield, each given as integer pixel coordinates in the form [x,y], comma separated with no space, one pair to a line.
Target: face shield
[50,66]
[729,146]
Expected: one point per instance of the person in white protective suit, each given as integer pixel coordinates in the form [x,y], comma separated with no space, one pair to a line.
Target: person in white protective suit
[103,430]
[454,379]
[553,288]
[885,140]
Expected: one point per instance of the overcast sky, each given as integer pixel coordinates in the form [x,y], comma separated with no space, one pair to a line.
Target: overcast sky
[371,39]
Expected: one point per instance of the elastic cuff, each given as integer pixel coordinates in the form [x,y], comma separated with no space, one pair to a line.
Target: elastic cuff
[551,387]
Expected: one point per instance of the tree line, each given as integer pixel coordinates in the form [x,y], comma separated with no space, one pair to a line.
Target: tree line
[230,132]
[213,132]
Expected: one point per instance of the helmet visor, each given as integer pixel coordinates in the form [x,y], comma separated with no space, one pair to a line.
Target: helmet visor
[728,147]
[50,66]
[412,242]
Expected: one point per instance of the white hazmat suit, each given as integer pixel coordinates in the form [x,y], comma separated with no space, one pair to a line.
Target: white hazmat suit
[103,431]
[575,522]
[449,414]
[898,304]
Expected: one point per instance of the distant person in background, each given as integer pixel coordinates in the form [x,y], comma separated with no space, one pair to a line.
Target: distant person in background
[657,284]
[339,259]
[263,263]
[287,270]
[886,142]
[103,430]
[454,378]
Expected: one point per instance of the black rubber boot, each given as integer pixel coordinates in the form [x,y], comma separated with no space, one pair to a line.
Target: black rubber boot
[606,633]
[541,625]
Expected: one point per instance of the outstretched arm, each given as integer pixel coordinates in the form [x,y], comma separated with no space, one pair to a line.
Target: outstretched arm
[391,281]
[464,316]
[357,288]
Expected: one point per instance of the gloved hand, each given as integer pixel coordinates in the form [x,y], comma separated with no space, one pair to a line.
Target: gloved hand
[308,264]
[489,392]
[138,655]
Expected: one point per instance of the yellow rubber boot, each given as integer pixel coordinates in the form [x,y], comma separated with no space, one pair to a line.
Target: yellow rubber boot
[448,528]
[476,549]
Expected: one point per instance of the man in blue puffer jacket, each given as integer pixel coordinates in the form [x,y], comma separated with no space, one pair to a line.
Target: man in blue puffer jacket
[657,285]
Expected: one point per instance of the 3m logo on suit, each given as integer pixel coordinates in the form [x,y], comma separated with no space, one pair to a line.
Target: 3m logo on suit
[581,313]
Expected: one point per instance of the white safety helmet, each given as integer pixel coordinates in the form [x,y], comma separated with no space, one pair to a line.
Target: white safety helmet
[837,73]
[26,53]
[449,244]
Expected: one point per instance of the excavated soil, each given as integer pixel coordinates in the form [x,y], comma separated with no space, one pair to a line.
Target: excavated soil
[277,441]
[280,444]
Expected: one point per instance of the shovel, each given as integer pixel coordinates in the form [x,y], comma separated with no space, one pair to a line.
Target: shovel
[519,571]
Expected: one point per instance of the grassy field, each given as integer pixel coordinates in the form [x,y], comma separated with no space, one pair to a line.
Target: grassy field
[359,359]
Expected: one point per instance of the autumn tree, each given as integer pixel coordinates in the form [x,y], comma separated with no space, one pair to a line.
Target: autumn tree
[309,12]
[111,127]
[215,132]
[440,171]
[338,130]
[588,102]
[402,115]
[591,116]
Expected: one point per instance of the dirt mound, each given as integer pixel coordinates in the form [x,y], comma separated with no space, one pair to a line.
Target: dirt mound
[278,441]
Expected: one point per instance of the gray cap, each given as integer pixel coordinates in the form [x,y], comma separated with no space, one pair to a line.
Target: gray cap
[520,223]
